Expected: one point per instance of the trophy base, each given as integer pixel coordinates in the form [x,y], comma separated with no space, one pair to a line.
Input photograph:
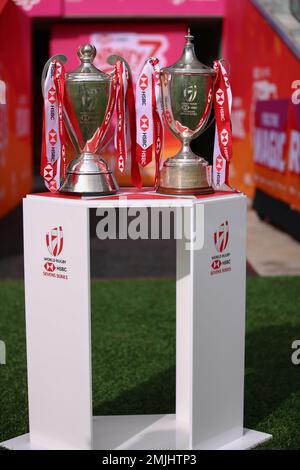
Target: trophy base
[89,175]
[102,184]
[185,177]
[186,191]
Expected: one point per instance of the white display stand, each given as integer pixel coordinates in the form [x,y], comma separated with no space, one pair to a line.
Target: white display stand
[210,319]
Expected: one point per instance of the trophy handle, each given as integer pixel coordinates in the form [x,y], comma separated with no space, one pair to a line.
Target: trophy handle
[61,57]
[228,69]
[112,59]
[225,62]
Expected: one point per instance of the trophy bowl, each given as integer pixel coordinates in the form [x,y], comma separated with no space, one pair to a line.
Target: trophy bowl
[187,91]
[87,94]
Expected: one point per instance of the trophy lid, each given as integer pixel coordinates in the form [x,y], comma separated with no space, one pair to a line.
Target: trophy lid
[188,62]
[86,70]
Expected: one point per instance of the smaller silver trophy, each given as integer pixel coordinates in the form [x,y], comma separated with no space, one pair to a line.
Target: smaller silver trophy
[187,91]
[88,91]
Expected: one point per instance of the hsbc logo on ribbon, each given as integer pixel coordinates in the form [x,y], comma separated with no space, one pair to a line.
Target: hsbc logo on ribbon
[48,172]
[224,137]
[143,82]
[52,95]
[221,237]
[219,163]
[121,163]
[52,137]
[220,98]
[144,123]
[52,186]
[55,241]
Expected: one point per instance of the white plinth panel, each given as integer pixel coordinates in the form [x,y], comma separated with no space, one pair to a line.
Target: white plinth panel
[210,332]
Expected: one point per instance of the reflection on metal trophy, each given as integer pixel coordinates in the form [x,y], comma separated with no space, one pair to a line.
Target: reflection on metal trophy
[187,90]
[87,105]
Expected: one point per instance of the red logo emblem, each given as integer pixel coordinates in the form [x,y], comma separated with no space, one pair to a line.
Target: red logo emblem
[121,163]
[52,137]
[220,97]
[48,172]
[216,264]
[52,95]
[144,123]
[224,137]
[221,237]
[219,163]
[55,241]
[143,83]
[52,186]
[49,267]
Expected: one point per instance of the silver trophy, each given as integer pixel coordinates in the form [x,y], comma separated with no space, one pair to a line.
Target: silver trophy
[88,90]
[187,91]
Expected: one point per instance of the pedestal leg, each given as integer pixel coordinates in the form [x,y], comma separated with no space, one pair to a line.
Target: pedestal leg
[57,296]
[211,327]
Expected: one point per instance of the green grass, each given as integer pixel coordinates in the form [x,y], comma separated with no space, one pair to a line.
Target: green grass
[134,354]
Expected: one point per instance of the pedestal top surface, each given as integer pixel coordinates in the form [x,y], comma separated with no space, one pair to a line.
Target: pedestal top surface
[147,197]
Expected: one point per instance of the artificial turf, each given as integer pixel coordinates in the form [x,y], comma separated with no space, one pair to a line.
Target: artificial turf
[134,354]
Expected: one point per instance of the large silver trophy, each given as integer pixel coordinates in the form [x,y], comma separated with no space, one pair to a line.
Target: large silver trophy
[88,91]
[187,91]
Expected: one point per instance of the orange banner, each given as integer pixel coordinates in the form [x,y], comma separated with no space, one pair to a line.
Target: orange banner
[262,68]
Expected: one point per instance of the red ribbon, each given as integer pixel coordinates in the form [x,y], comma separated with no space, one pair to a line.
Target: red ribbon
[222,113]
[130,100]
[53,155]
[150,125]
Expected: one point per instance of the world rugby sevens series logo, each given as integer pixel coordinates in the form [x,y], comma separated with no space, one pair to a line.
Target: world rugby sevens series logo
[55,241]
[221,237]
[190,93]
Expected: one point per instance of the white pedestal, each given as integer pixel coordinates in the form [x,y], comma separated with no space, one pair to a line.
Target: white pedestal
[210,325]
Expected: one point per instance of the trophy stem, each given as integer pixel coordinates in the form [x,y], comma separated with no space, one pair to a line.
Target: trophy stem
[185,153]
[185,148]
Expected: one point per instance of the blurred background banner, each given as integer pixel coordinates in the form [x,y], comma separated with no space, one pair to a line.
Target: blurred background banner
[15,106]
[262,68]
[270,143]
[167,8]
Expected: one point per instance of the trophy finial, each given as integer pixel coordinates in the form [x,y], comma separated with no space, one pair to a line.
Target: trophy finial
[86,53]
[189,37]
